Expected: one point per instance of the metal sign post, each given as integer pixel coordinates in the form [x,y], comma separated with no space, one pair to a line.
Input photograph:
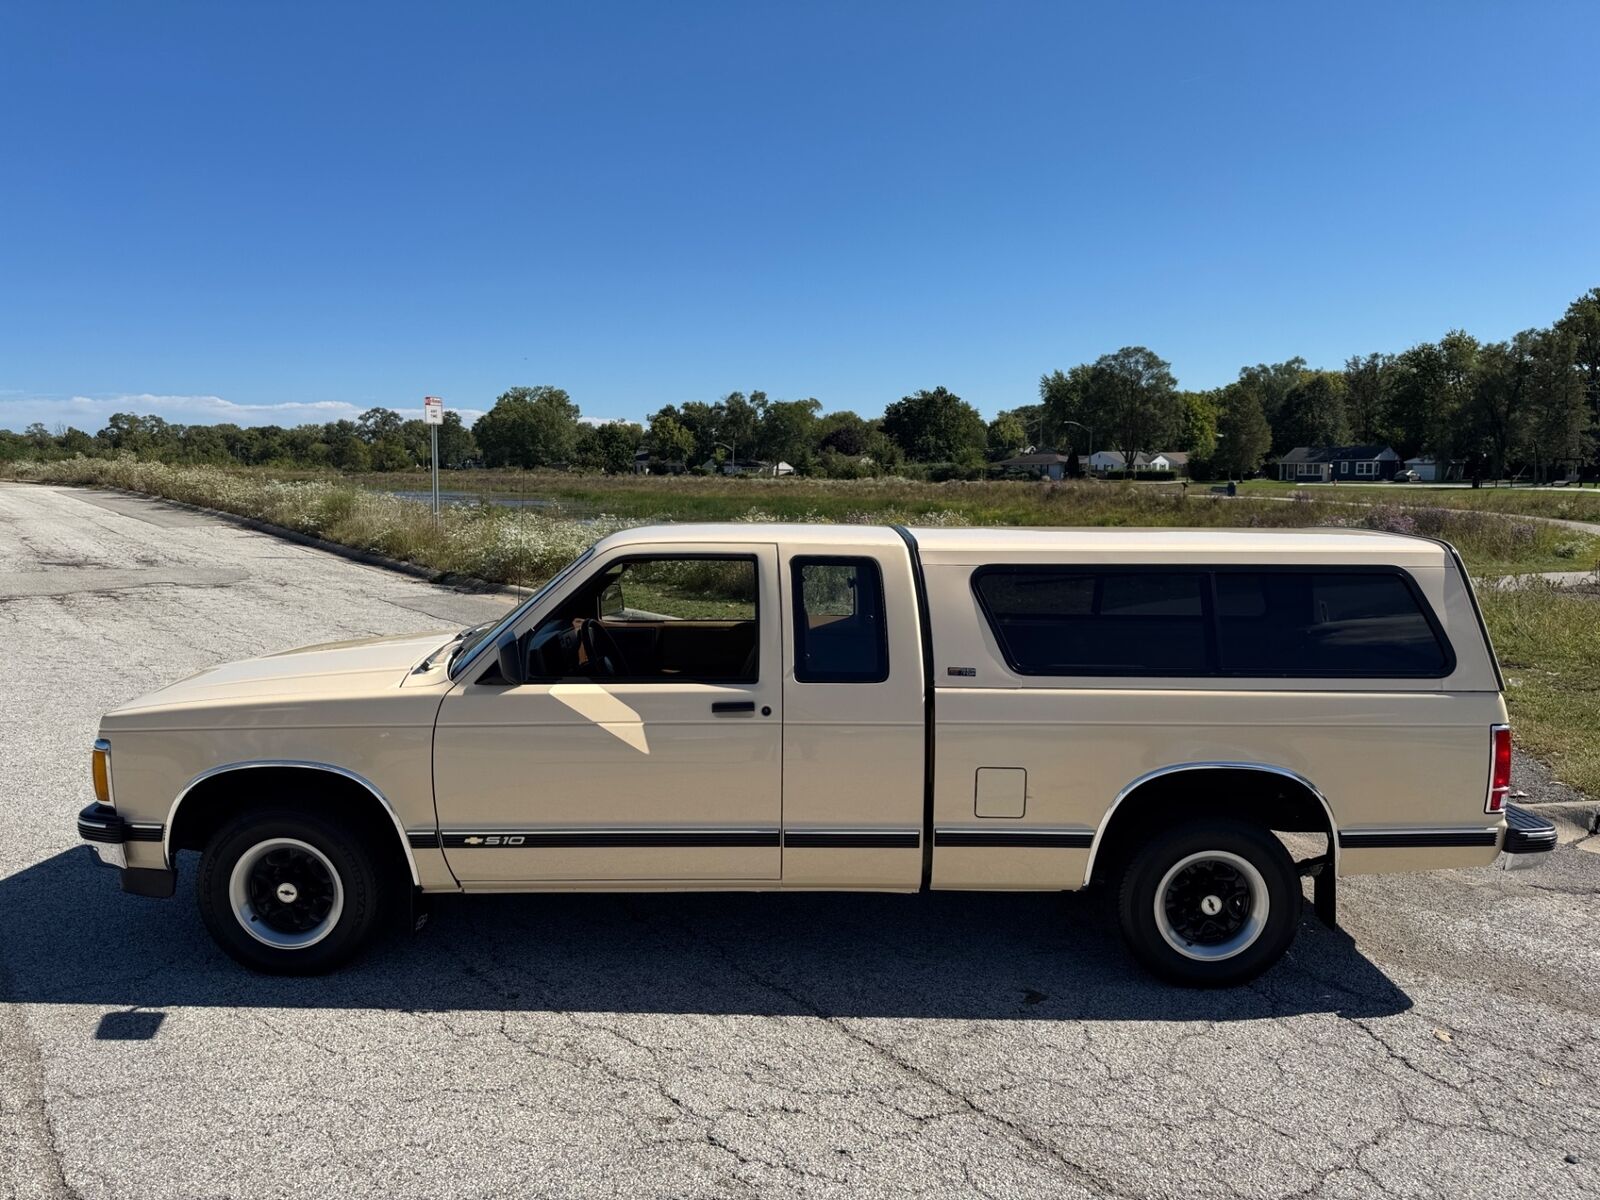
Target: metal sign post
[433,417]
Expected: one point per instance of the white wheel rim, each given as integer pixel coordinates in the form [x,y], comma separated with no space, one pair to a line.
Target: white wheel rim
[1250,925]
[253,867]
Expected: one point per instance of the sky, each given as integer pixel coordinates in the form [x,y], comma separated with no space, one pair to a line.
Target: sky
[287,212]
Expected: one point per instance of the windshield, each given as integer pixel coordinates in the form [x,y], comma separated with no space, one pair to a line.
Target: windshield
[484,635]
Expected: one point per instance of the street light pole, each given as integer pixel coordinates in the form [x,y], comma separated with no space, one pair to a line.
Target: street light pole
[433,417]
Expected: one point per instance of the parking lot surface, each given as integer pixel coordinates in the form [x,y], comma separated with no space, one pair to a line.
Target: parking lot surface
[1443,1043]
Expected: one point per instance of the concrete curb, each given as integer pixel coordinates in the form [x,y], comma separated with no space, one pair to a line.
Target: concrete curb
[370,558]
[1574,819]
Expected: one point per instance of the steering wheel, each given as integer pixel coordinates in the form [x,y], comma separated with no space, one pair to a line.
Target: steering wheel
[602,648]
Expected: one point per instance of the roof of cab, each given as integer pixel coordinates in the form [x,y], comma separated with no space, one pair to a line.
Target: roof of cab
[715,532]
[986,543]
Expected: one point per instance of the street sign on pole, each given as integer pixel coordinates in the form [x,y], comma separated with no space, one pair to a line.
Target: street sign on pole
[433,417]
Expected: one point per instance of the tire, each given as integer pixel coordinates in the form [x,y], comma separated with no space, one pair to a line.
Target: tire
[288,893]
[1210,903]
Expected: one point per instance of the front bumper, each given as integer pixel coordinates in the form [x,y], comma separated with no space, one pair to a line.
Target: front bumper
[107,835]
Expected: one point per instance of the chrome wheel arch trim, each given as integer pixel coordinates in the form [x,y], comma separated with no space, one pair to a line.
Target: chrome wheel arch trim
[1221,765]
[292,764]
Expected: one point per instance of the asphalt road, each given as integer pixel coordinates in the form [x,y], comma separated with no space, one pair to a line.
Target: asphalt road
[725,1046]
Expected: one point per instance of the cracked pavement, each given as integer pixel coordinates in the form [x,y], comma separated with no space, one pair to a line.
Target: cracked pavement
[1442,1043]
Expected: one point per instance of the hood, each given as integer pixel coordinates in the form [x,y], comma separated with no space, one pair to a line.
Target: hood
[294,680]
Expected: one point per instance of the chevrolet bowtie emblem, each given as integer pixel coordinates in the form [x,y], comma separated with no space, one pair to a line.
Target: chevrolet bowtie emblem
[474,840]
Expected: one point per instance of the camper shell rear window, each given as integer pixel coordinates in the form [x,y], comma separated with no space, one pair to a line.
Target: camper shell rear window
[1239,621]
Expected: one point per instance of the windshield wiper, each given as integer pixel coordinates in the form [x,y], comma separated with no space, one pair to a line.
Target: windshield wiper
[462,639]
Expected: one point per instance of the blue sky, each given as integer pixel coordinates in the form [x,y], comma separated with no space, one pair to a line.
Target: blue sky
[295,211]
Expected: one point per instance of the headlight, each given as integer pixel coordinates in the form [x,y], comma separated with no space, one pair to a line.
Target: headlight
[101,760]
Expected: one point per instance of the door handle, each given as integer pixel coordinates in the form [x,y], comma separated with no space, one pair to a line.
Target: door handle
[730,708]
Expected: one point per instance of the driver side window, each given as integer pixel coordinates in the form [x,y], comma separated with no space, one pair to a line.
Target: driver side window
[653,590]
[689,618]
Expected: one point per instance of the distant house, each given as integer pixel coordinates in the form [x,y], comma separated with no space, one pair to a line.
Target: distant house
[1338,464]
[747,467]
[1102,461]
[1176,461]
[646,463]
[1041,464]
[1428,469]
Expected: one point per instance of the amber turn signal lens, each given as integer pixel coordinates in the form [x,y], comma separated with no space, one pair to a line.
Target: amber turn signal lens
[102,771]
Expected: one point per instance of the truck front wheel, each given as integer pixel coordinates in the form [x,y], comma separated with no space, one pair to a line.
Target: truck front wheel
[1210,903]
[286,892]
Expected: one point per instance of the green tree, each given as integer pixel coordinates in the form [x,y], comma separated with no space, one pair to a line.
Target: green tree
[616,442]
[785,429]
[1197,423]
[1062,400]
[1243,435]
[935,426]
[1433,386]
[883,450]
[350,453]
[735,420]
[456,443]
[1007,436]
[528,427]
[388,453]
[1501,388]
[1417,388]
[700,419]
[1557,428]
[842,432]
[415,437]
[1132,396]
[1581,324]
[1271,383]
[378,423]
[1313,411]
[670,439]
[1367,381]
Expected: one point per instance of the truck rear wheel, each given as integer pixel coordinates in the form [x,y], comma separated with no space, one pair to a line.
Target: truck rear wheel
[287,893]
[1210,903]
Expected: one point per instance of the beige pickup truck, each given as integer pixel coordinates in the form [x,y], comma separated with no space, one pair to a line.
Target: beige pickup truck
[741,707]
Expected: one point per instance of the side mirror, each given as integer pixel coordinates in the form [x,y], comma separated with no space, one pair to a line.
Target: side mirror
[513,667]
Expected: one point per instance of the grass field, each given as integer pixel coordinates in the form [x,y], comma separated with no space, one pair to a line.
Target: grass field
[1548,640]
[711,498]
[1569,504]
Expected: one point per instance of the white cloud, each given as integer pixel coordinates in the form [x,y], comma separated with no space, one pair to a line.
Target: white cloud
[18,410]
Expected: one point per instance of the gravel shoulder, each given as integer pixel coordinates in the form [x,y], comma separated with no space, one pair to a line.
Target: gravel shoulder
[1442,1043]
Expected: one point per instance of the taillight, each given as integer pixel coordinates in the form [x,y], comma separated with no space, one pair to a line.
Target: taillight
[1500,769]
[102,771]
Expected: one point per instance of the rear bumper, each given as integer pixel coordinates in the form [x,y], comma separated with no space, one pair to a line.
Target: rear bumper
[1527,833]
[107,835]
